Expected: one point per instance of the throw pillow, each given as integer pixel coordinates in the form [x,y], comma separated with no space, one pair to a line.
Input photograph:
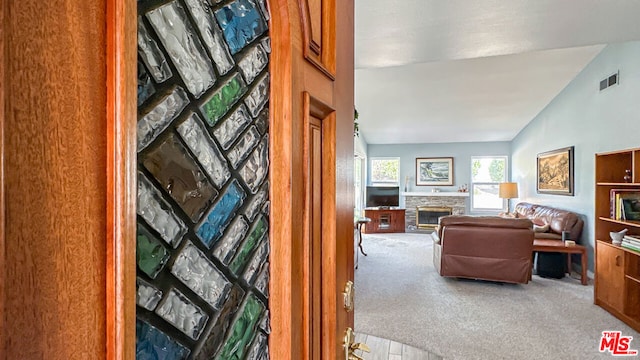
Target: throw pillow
[540,228]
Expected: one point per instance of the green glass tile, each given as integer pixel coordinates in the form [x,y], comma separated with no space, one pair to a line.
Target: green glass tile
[243,331]
[222,101]
[255,234]
[151,256]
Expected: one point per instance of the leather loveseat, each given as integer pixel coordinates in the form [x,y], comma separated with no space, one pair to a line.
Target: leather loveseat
[557,219]
[483,247]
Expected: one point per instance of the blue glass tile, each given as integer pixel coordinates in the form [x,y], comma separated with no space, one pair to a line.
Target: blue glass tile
[241,23]
[214,224]
[153,344]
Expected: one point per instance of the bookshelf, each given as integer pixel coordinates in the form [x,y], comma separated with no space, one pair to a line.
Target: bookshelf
[617,269]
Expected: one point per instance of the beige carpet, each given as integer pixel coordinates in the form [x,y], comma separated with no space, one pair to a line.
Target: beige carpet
[399,296]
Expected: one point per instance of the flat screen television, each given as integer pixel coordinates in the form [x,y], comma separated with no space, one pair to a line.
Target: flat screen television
[383,196]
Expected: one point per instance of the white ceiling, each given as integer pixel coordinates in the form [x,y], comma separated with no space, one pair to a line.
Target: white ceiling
[462,70]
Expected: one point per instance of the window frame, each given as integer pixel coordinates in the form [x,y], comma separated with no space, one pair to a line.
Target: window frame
[472,184]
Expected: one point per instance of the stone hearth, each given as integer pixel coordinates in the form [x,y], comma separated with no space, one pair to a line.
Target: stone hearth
[455,200]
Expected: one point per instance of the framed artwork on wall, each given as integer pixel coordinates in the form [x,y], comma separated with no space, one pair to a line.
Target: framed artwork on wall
[555,172]
[434,171]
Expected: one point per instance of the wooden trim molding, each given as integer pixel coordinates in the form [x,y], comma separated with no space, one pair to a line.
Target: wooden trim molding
[3,49]
[280,300]
[121,178]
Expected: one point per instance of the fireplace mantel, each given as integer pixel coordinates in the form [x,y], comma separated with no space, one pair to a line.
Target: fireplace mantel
[445,193]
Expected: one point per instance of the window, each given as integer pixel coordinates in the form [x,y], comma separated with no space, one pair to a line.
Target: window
[487,172]
[385,171]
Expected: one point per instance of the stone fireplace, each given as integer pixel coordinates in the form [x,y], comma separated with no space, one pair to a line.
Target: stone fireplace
[427,216]
[456,201]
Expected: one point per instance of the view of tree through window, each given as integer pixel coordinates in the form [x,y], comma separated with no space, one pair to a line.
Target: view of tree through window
[486,175]
[385,171]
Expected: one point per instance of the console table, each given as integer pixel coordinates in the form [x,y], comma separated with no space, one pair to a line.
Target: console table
[384,220]
[544,245]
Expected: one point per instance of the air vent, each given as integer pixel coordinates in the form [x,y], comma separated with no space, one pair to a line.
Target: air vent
[609,81]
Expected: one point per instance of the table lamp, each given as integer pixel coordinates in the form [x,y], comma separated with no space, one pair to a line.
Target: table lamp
[508,190]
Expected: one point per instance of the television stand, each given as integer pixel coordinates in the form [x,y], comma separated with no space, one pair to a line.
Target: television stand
[384,220]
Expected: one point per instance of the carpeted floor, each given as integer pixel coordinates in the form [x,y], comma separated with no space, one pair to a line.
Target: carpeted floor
[399,296]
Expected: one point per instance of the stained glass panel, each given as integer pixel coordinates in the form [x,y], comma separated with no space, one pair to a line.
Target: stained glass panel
[203,191]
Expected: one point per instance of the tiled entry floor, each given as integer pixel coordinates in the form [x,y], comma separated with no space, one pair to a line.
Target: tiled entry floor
[383,349]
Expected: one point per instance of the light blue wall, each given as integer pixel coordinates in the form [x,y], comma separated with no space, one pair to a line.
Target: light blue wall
[461,153]
[588,119]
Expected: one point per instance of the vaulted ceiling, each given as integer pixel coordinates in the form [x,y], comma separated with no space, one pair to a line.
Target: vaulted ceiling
[457,70]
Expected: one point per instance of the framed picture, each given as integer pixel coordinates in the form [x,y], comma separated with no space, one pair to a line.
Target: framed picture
[555,172]
[434,171]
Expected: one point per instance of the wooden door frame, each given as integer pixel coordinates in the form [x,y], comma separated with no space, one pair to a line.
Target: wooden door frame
[121,50]
[121,173]
[3,81]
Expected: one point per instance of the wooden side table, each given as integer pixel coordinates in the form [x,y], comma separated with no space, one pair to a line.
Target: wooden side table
[547,245]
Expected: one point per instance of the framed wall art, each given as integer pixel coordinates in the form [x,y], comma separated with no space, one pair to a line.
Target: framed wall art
[434,171]
[555,172]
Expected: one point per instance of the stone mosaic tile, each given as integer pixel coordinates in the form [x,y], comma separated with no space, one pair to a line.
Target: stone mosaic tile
[257,231]
[184,47]
[241,23]
[230,129]
[196,271]
[201,12]
[223,99]
[180,176]
[151,255]
[216,334]
[226,248]
[158,213]
[180,312]
[157,120]
[145,85]
[255,169]
[243,147]
[222,212]
[151,54]
[205,150]
[147,295]
[153,344]
[258,96]
[252,64]
[243,331]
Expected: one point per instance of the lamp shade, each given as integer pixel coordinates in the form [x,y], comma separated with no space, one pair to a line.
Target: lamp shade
[508,190]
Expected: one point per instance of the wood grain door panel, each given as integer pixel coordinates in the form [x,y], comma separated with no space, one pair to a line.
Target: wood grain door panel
[319,33]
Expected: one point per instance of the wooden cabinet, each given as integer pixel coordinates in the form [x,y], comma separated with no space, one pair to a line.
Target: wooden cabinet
[617,269]
[384,221]
[610,275]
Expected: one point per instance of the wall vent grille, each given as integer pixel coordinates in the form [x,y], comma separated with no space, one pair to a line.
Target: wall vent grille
[610,81]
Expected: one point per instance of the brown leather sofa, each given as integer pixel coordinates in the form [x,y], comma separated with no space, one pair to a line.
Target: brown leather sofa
[558,220]
[483,247]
